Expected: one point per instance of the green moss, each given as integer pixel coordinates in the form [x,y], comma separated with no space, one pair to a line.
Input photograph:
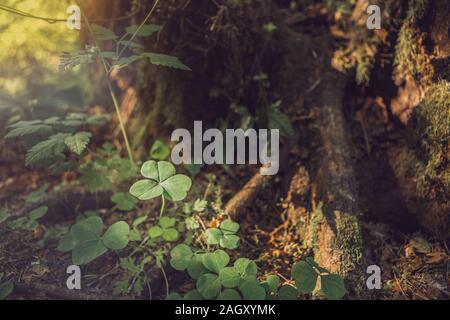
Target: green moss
[349,240]
[410,57]
[430,124]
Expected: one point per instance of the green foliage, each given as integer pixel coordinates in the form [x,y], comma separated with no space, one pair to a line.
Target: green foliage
[225,235]
[4,215]
[162,180]
[164,229]
[124,201]
[37,195]
[87,243]
[159,151]
[29,222]
[306,273]
[54,136]
[279,120]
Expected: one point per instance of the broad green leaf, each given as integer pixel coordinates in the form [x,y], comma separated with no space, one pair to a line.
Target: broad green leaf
[229,227]
[166,222]
[4,214]
[193,295]
[181,256]
[139,220]
[78,142]
[209,285]
[279,120]
[216,261]
[246,267]
[332,286]
[27,130]
[108,54]
[145,31]
[155,232]
[38,213]
[273,281]
[67,243]
[88,230]
[170,234]
[229,241]
[131,44]
[102,33]
[159,150]
[6,288]
[196,268]
[18,223]
[229,277]
[87,251]
[162,179]
[174,296]
[200,205]
[213,236]
[229,294]
[146,189]
[166,61]
[117,236]
[288,292]
[252,290]
[124,201]
[305,276]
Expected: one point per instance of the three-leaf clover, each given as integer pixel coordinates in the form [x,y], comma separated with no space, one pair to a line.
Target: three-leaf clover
[164,229]
[161,180]
[306,273]
[225,235]
[29,222]
[87,243]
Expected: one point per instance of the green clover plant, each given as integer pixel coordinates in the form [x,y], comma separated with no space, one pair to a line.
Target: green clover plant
[161,181]
[29,222]
[164,229]
[87,243]
[225,235]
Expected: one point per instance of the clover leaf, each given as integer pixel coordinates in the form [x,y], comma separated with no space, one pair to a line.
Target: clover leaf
[288,292]
[332,285]
[305,276]
[229,294]
[162,180]
[164,229]
[124,201]
[209,285]
[216,261]
[86,242]
[29,222]
[252,290]
[181,256]
[225,235]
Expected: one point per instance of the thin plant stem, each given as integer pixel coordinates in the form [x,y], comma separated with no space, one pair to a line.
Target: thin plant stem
[113,95]
[162,205]
[165,280]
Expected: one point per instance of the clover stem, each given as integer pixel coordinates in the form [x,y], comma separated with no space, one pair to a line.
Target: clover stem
[162,205]
[165,280]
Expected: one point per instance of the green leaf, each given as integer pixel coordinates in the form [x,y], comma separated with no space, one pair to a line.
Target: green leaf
[159,150]
[229,294]
[174,296]
[195,268]
[166,61]
[78,142]
[279,120]
[37,195]
[38,213]
[4,214]
[131,44]
[216,261]
[199,205]
[246,267]
[305,276]
[139,220]
[229,227]
[18,223]
[161,179]
[288,292]
[193,295]
[170,234]
[273,281]
[101,33]
[6,288]
[181,256]
[47,150]
[252,290]
[87,251]
[124,201]
[209,285]
[229,241]
[145,31]
[332,286]
[155,232]
[29,129]
[117,236]
[213,236]
[229,277]
[166,222]
[67,243]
